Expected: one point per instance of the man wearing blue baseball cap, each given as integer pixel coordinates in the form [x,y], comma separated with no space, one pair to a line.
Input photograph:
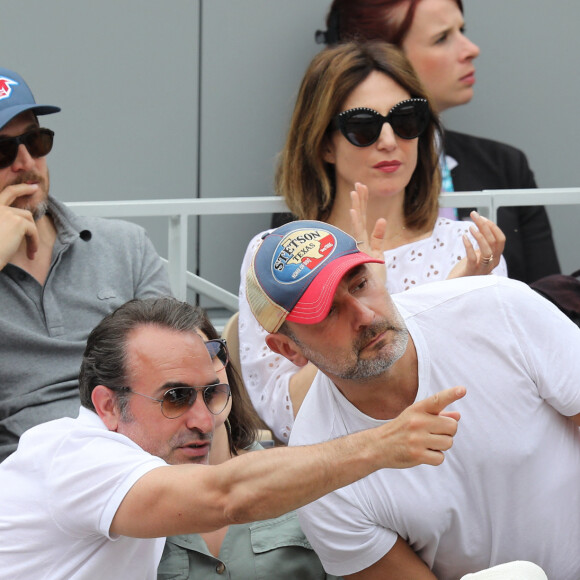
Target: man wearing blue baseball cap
[59,273]
[508,490]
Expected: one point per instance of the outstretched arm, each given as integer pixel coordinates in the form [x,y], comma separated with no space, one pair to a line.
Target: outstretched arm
[192,499]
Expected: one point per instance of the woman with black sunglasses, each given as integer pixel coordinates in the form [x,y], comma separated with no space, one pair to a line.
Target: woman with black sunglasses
[363,117]
[432,35]
[275,548]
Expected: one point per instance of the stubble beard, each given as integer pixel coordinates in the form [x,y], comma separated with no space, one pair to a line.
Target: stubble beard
[166,452]
[37,209]
[356,368]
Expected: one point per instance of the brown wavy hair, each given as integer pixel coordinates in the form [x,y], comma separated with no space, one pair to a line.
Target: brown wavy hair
[243,419]
[303,178]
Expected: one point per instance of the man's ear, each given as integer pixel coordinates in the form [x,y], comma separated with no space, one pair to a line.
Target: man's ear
[285,346]
[105,403]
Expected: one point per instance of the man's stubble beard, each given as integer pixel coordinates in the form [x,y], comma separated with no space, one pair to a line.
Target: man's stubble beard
[151,444]
[363,369]
[39,209]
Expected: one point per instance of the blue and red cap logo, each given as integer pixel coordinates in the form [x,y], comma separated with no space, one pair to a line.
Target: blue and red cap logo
[299,253]
[6,87]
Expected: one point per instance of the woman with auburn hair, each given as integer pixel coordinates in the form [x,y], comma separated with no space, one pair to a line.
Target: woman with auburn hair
[362,117]
[432,35]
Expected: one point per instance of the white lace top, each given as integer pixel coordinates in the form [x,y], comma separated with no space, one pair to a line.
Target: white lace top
[267,374]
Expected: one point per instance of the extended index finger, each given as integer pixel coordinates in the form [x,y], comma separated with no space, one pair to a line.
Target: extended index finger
[437,402]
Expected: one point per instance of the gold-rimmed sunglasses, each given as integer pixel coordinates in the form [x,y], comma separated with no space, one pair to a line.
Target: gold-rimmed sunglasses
[177,400]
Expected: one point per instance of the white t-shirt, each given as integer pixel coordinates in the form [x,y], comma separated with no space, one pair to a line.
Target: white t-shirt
[508,488]
[267,375]
[60,492]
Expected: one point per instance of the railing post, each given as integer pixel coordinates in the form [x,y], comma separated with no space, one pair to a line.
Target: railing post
[177,255]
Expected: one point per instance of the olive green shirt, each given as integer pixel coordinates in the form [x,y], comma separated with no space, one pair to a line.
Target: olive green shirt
[264,550]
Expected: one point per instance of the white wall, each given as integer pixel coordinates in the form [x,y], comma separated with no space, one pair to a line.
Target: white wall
[187,98]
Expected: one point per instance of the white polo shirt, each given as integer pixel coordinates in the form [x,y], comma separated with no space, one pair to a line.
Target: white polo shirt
[60,492]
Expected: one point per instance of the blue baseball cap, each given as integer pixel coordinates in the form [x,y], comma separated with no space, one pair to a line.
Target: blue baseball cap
[16,97]
[295,272]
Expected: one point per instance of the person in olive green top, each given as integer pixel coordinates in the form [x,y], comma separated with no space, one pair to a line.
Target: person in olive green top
[275,548]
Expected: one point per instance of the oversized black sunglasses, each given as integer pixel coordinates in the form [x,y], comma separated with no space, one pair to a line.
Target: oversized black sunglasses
[38,142]
[362,126]
[218,351]
[177,400]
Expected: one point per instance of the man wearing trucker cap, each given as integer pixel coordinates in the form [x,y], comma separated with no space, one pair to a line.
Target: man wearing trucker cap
[60,274]
[508,489]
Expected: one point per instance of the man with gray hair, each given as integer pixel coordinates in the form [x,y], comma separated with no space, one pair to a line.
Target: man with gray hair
[508,489]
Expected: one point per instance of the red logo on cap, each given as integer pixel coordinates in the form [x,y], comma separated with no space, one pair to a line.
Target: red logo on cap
[6,87]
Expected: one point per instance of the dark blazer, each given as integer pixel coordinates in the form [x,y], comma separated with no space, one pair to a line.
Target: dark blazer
[485,164]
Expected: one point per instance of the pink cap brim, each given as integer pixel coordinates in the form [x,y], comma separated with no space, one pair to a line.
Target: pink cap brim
[316,301]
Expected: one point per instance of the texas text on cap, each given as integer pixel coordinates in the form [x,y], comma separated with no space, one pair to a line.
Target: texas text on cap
[16,97]
[296,270]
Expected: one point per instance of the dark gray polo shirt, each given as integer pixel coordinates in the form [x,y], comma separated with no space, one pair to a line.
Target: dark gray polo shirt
[97,265]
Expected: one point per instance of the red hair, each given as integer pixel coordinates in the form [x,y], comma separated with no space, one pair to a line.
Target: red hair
[370,20]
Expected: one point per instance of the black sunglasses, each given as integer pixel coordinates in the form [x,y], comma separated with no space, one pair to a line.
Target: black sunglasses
[176,401]
[218,350]
[38,142]
[362,126]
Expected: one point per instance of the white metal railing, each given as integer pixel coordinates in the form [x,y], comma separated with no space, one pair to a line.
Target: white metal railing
[178,211]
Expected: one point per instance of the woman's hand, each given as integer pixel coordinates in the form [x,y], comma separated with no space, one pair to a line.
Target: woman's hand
[358,216]
[491,241]
[372,246]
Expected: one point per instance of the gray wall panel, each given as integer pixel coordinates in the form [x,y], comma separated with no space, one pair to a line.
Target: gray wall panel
[254,54]
[525,95]
[126,74]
